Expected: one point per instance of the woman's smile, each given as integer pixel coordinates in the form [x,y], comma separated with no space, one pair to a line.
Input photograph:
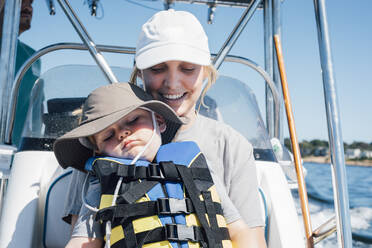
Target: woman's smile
[173,96]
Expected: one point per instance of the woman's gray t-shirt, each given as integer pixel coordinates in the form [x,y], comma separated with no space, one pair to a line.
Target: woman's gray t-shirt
[230,157]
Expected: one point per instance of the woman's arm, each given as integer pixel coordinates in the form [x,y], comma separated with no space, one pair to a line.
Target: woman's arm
[243,236]
[84,242]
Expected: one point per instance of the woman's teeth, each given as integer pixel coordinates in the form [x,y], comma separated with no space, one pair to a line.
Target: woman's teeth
[173,97]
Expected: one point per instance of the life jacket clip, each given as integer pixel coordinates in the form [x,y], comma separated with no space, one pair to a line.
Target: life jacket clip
[154,172]
[179,233]
[169,206]
[105,214]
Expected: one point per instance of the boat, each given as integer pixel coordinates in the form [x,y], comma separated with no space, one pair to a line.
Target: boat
[33,185]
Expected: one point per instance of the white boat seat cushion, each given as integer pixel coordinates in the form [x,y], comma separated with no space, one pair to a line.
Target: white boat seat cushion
[56,231]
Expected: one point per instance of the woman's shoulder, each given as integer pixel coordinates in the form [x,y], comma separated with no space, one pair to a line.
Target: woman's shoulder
[206,121]
[218,129]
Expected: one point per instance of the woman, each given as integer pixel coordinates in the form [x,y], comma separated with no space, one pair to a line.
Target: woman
[173,61]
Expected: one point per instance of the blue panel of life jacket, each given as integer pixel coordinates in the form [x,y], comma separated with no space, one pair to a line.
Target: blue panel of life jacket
[170,203]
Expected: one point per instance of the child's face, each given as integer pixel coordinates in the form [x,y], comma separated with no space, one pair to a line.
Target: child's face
[127,137]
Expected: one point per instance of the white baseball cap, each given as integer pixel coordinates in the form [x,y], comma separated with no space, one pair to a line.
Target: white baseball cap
[172,35]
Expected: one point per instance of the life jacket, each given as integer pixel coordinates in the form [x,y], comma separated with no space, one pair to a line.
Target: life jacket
[170,203]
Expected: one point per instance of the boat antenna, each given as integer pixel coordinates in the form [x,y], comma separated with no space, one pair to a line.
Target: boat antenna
[211,11]
[94,5]
[168,4]
[50,5]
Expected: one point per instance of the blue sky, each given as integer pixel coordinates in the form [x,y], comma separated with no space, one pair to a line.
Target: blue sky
[351,39]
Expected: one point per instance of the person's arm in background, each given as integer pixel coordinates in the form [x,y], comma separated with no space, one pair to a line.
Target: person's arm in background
[243,236]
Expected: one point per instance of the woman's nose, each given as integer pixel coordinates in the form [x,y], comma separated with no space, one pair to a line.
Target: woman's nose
[172,79]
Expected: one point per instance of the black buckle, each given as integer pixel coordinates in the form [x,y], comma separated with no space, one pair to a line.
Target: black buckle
[131,173]
[177,232]
[154,172]
[105,214]
[168,206]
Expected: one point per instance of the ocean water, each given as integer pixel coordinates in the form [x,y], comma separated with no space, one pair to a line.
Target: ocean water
[320,194]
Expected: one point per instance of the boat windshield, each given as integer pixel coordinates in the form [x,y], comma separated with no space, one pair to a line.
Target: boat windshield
[58,94]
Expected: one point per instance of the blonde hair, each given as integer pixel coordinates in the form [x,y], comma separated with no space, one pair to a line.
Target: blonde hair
[212,75]
[133,75]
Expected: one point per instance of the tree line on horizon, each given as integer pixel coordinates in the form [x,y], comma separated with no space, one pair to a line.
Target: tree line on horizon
[315,146]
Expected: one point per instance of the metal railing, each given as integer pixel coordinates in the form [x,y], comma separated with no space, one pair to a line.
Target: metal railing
[111,49]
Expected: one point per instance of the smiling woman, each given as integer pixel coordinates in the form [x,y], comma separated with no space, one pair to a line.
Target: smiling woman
[173,61]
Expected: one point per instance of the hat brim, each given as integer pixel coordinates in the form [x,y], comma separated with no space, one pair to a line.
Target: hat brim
[168,52]
[70,152]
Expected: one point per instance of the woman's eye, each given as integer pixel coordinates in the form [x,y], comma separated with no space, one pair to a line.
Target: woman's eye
[157,69]
[188,69]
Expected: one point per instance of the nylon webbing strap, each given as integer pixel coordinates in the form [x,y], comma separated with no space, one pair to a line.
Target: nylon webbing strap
[136,192]
[126,211]
[169,171]
[130,236]
[162,206]
[201,174]
[151,172]
[178,233]
[194,193]
[211,211]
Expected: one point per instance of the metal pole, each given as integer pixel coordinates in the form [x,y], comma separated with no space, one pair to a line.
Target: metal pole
[229,43]
[277,24]
[8,58]
[268,43]
[27,64]
[82,32]
[295,147]
[334,128]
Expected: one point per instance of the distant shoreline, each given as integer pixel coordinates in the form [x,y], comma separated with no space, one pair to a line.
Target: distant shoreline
[326,159]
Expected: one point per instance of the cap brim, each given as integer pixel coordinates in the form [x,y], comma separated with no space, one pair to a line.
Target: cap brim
[168,52]
[70,152]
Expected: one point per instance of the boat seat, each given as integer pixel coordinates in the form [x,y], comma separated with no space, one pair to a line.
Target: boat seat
[210,109]
[265,212]
[56,232]
[282,227]
[63,115]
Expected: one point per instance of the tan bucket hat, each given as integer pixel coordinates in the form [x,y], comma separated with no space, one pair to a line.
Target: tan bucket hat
[103,107]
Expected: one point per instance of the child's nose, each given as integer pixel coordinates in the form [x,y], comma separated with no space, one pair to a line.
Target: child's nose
[123,134]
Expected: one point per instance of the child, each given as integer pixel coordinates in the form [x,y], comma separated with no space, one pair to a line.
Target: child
[120,120]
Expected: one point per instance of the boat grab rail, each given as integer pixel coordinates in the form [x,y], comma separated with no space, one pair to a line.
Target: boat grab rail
[113,49]
[324,230]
